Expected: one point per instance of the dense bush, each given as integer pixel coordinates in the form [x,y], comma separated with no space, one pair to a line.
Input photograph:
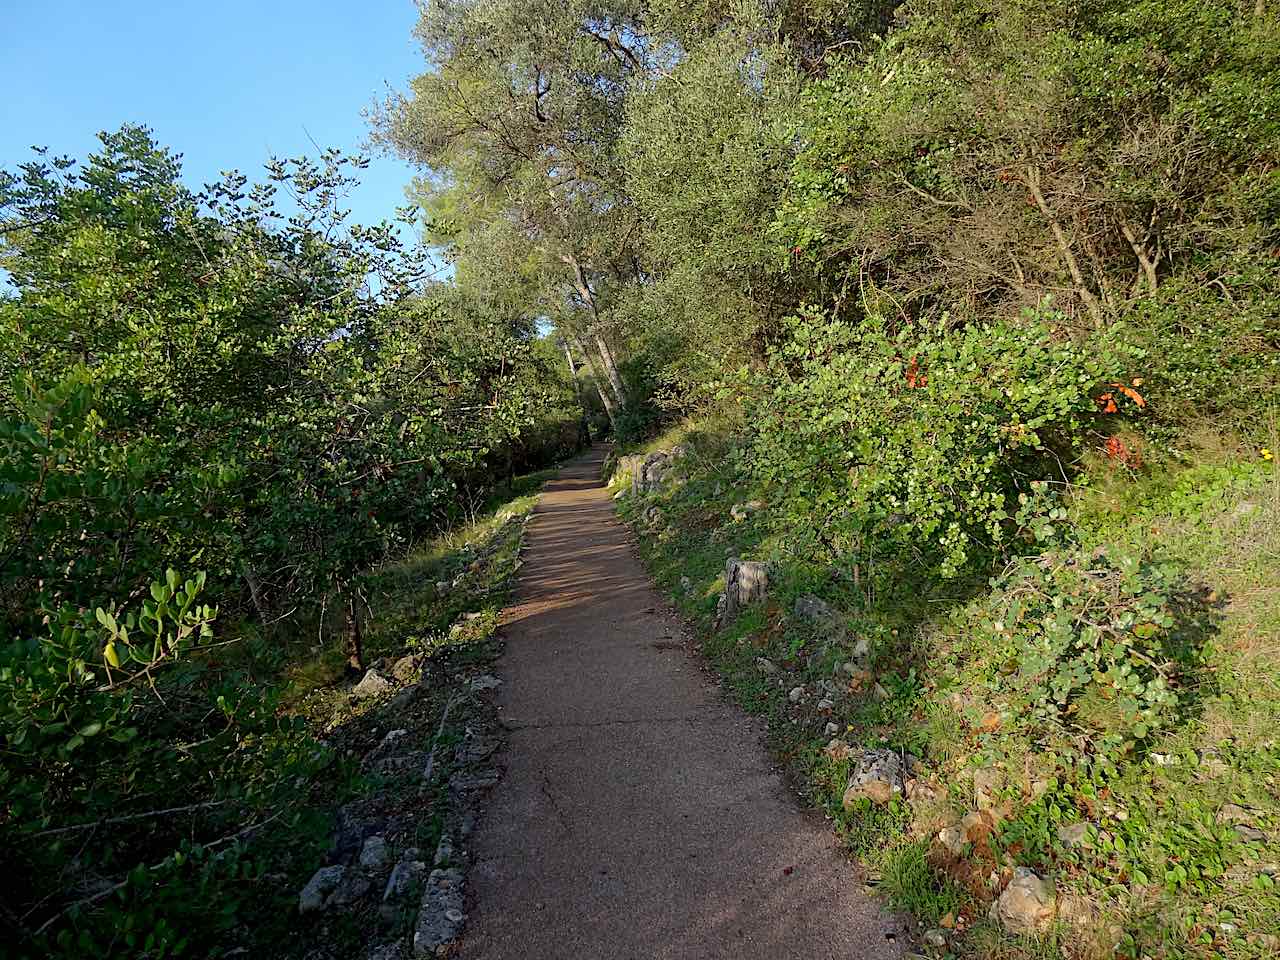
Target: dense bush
[1091,652]
[207,382]
[920,446]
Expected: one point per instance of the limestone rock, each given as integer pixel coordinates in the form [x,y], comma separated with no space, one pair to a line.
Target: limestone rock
[441,917]
[372,685]
[765,665]
[878,777]
[1027,905]
[407,668]
[1073,834]
[814,609]
[953,838]
[745,582]
[986,782]
[322,883]
[936,938]
[740,511]
[403,876]
[374,855]
[796,694]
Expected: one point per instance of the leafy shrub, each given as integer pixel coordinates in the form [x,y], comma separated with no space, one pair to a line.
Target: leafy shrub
[1094,651]
[921,446]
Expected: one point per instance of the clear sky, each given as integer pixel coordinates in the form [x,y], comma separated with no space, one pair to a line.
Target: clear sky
[227,83]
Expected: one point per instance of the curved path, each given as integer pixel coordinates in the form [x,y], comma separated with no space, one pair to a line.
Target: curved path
[638,815]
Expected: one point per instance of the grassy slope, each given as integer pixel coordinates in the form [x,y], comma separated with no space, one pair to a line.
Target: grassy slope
[1167,878]
[408,615]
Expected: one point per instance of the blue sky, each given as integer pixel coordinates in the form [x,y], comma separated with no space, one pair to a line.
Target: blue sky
[225,82]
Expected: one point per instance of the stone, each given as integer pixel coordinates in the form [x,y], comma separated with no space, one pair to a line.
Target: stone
[406,668]
[740,511]
[796,694]
[686,584]
[935,938]
[831,729]
[351,889]
[374,855]
[765,665]
[441,916]
[404,875]
[825,706]
[953,839]
[1027,905]
[485,682]
[814,609]
[878,777]
[372,685]
[1233,813]
[745,582]
[1250,834]
[986,782]
[322,883]
[443,586]
[1073,834]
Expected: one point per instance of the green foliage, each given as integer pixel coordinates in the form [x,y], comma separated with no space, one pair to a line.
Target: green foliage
[929,445]
[1101,646]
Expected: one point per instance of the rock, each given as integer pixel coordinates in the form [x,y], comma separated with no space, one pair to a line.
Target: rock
[322,883]
[765,665]
[814,609]
[1073,834]
[374,855]
[831,729]
[796,694]
[986,782]
[861,650]
[686,584]
[878,777]
[919,790]
[879,692]
[745,582]
[374,684]
[406,668]
[935,938]
[485,682]
[1027,905]
[740,511]
[953,838]
[404,875]
[826,706]
[388,951]
[440,918]
[443,586]
[351,889]
[650,473]
[1249,834]
[1234,813]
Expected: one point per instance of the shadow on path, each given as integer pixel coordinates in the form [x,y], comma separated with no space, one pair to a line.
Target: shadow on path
[638,815]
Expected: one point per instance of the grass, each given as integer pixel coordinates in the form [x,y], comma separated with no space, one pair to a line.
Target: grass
[1166,875]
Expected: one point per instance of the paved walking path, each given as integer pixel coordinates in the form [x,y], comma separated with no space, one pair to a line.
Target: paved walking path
[638,815]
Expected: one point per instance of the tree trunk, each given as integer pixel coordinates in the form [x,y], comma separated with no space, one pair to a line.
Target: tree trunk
[353,639]
[1090,301]
[609,406]
[606,355]
[584,428]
